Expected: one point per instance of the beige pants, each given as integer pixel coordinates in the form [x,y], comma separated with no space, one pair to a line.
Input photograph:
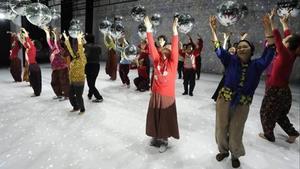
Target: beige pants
[26,72]
[230,125]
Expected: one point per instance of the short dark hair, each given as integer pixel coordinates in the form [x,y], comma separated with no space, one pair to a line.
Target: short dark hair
[163,37]
[90,38]
[294,42]
[250,44]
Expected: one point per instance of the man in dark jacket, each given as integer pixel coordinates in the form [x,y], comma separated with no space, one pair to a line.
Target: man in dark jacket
[93,53]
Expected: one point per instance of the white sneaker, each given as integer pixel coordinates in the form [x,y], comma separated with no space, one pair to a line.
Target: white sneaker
[162,148]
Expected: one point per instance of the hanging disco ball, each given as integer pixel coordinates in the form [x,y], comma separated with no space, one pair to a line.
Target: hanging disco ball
[185,23]
[6,12]
[38,14]
[131,52]
[104,26]
[116,30]
[138,13]
[228,13]
[244,11]
[55,14]
[74,30]
[19,6]
[285,7]
[155,19]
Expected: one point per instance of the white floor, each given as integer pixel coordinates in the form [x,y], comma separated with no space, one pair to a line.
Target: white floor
[40,133]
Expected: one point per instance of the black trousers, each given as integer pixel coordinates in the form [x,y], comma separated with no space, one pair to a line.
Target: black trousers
[92,71]
[189,76]
[76,100]
[123,72]
[274,109]
[141,83]
[180,69]
[16,69]
[198,66]
[35,78]
[216,94]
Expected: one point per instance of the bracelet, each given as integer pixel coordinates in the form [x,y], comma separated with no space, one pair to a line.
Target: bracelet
[270,36]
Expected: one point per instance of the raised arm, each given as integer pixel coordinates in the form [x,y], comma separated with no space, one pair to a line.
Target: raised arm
[222,54]
[213,28]
[269,52]
[48,37]
[68,45]
[152,48]
[284,20]
[80,40]
[175,41]
[226,39]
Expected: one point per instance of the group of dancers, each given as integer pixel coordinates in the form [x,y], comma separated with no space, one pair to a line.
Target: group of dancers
[72,64]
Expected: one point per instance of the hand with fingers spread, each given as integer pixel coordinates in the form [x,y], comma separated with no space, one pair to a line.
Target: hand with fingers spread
[284,20]
[243,35]
[148,24]
[213,27]
[267,24]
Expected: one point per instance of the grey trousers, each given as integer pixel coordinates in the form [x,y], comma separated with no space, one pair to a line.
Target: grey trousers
[230,125]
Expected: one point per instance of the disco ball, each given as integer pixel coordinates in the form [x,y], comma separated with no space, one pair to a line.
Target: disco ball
[38,14]
[138,13]
[116,30]
[288,6]
[104,26]
[228,13]
[6,12]
[55,14]
[185,23]
[131,52]
[19,6]
[74,30]
[142,31]
[155,19]
[244,11]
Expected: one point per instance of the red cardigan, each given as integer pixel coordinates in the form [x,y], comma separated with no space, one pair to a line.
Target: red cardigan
[282,64]
[30,51]
[164,70]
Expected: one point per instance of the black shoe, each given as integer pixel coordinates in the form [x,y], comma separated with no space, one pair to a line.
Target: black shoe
[81,112]
[191,94]
[89,97]
[184,93]
[155,142]
[57,97]
[235,162]
[74,110]
[98,100]
[221,156]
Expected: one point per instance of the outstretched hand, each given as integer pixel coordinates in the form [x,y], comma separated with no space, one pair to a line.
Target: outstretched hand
[213,23]
[148,24]
[65,35]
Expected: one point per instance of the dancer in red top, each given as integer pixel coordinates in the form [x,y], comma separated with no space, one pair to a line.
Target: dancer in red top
[15,62]
[189,65]
[142,64]
[35,77]
[162,116]
[278,99]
